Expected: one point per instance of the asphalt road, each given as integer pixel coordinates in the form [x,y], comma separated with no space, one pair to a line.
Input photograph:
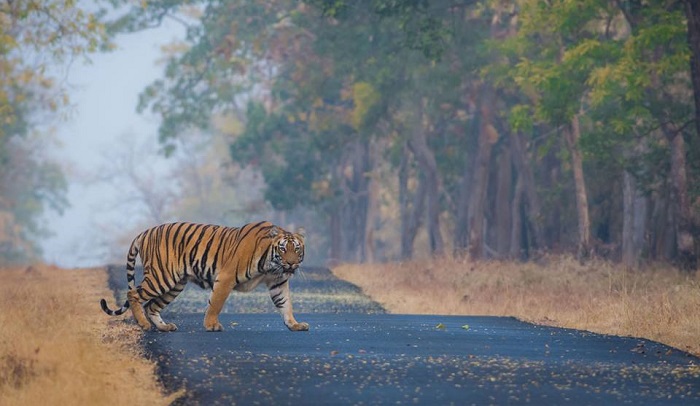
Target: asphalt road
[365,356]
[351,358]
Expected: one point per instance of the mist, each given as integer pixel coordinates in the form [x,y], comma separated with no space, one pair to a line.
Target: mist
[101,123]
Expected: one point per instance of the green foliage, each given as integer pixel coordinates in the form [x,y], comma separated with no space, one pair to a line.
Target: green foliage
[423,25]
[585,56]
[318,77]
[278,149]
[520,118]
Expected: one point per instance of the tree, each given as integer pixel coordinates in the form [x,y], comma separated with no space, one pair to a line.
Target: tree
[37,38]
[588,68]
[507,127]
[29,184]
[692,14]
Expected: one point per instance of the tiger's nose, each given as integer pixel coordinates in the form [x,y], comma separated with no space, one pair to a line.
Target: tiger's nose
[294,266]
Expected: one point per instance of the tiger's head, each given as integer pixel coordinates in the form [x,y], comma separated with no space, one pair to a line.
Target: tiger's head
[287,250]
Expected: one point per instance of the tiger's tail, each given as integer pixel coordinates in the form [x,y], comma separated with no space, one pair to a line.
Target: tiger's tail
[130,278]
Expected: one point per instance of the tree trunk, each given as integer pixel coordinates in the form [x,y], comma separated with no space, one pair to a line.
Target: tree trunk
[461,232]
[662,229]
[628,252]
[634,222]
[404,205]
[533,206]
[362,165]
[685,223]
[336,241]
[411,213]
[487,137]
[516,232]
[503,203]
[692,12]
[572,135]
[427,163]
[354,184]
[640,225]
[684,238]
[372,196]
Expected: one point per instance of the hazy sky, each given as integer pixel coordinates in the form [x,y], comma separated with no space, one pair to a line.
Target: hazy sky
[105,96]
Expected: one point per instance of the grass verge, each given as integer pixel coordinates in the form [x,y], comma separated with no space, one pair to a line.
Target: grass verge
[659,303]
[57,347]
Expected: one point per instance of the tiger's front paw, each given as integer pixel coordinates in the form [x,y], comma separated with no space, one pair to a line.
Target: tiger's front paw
[216,326]
[299,327]
[167,327]
[145,326]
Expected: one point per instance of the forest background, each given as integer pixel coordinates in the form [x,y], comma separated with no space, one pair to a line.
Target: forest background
[390,130]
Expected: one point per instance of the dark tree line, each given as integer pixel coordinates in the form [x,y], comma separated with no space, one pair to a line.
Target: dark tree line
[490,129]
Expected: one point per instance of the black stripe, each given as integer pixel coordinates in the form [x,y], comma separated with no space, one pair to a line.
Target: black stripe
[262,260]
[174,240]
[205,254]
[279,284]
[153,288]
[168,253]
[186,236]
[215,262]
[280,303]
[193,253]
[158,254]
[158,277]
[227,242]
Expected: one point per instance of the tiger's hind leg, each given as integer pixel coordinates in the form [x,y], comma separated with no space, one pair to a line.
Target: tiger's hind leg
[150,288]
[134,298]
[156,305]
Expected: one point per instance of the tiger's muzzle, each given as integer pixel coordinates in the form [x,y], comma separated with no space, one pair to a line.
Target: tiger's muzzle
[290,268]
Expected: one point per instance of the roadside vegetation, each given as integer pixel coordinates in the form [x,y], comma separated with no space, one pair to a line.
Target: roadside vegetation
[56,346]
[656,303]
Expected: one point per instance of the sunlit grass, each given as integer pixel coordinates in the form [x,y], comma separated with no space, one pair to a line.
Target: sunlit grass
[57,347]
[659,303]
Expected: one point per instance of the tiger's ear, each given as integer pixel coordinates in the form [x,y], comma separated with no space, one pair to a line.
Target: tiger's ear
[275,231]
[301,234]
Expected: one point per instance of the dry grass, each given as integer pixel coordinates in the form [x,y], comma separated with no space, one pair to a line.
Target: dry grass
[660,304]
[57,347]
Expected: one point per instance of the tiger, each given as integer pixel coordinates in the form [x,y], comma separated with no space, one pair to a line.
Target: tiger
[214,257]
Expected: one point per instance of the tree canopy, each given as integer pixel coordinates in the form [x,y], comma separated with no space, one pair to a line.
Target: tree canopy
[488,128]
